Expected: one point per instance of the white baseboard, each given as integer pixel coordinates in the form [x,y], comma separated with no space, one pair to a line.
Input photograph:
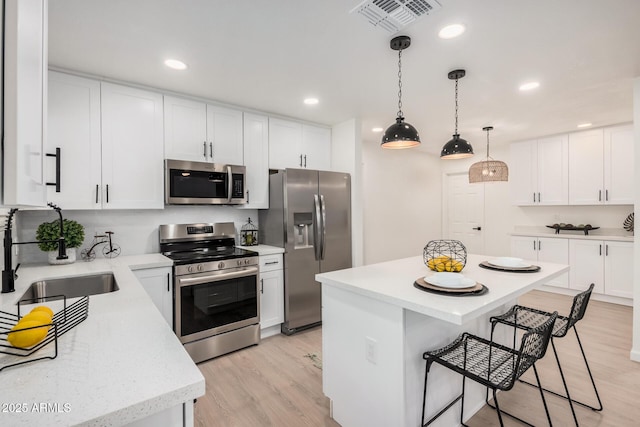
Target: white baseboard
[596,297]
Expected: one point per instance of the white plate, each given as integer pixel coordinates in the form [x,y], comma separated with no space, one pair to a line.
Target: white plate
[450,280]
[508,262]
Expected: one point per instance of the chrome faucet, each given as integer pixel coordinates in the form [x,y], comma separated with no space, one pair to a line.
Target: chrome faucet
[9,274]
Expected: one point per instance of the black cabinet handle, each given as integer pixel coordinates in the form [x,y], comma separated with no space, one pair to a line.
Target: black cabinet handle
[538,197]
[57,156]
[300,160]
[534,245]
[606,195]
[262,286]
[477,228]
[211,149]
[534,197]
[606,250]
[271,263]
[168,280]
[600,250]
[247,196]
[305,160]
[599,195]
[539,245]
[97,190]
[204,149]
[107,193]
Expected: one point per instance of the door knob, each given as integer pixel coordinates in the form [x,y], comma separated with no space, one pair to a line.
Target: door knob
[477,228]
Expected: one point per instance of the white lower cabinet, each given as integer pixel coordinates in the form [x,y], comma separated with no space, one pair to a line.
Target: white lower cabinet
[606,264]
[543,249]
[158,283]
[271,290]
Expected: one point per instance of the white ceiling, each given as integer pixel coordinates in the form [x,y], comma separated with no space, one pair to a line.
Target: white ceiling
[269,55]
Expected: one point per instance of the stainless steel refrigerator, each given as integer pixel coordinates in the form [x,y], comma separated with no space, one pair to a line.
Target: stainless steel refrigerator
[309,216]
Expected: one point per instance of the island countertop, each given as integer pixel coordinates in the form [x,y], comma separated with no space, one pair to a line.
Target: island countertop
[392,282]
[121,364]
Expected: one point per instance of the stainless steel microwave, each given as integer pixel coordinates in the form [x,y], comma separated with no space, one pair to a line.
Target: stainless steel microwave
[201,183]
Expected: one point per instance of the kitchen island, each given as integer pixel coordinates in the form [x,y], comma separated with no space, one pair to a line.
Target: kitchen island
[121,365]
[376,325]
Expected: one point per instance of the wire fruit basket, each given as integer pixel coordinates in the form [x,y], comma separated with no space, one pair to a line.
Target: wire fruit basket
[445,255]
[62,322]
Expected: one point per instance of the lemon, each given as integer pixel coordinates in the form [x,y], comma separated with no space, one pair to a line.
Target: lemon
[41,316]
[27,338]
[43,308]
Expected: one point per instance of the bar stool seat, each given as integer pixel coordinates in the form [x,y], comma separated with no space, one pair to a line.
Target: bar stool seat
[526,318]
[491,364]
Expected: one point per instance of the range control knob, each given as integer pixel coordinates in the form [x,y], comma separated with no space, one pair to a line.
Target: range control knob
[221,265]
[199,267]
[246,261]
[190,269]
[239,262]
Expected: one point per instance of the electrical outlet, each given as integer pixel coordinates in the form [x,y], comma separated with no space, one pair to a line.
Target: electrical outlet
[371,350]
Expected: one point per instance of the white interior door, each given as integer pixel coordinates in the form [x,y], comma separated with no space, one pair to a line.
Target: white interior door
[464,212]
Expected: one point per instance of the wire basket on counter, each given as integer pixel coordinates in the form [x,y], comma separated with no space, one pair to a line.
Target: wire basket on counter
[445,255]
[63,321]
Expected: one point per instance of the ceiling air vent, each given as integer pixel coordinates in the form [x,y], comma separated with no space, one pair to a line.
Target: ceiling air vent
[394,15]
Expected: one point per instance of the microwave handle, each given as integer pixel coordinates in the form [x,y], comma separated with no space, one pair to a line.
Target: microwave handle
[229,183]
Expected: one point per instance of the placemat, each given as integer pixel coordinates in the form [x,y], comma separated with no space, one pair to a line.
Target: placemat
[478,289]
[530,269]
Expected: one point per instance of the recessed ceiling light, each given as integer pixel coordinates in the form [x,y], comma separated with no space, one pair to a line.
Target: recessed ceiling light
[377,130]
[311,101]
[451,31]
[584,125]
[529,86]
[175,64]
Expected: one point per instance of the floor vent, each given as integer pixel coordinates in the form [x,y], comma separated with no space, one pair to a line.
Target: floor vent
[394,15]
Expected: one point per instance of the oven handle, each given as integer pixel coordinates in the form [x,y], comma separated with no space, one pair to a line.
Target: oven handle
[216,276]
[229,183]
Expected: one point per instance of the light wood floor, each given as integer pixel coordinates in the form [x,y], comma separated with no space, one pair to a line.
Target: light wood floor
[279,382]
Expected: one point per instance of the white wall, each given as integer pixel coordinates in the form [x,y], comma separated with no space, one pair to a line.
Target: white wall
[346,156]
[402,202]
[136,231]
[635,349]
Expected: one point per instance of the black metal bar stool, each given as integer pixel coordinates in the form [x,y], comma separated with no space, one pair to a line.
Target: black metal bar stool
[525,318]
[493,365]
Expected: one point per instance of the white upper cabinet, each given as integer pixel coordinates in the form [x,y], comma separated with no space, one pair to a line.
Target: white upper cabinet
[224,133]
[132,148]
[201,132]
[601,166]
[256,160]
[25,112]
[539,171]
[294,145]
[74,131]
[618,165]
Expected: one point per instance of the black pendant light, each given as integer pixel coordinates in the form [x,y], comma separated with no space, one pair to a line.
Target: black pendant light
[488,170]
[400,134]
[456,148]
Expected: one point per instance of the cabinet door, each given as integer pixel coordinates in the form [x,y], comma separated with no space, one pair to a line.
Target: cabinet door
[185,129]
[524,247]
[316,147]
[25,94]
[159,284]
[132,148]
[618,269]
[74,128]
[523,173]
[618,165]
[224,134]
[256,159]
[271,298]
[285,138]
[586,166]
[555,250]
[587,264]
[552,171]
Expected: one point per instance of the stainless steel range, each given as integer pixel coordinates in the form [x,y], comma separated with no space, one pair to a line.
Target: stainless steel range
[216,295]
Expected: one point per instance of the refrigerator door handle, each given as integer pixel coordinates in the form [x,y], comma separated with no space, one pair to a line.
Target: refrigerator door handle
[323,232]
[317,227]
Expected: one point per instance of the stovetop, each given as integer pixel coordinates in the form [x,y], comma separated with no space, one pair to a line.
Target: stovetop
[208,255]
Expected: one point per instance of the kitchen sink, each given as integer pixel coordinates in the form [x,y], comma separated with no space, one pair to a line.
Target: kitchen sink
[72,286]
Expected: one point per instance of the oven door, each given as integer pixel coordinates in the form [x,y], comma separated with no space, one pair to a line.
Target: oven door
[215,302]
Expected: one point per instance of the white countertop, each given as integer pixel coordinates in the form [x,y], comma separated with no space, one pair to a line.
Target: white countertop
[599,234]
[264,249]
[392,282]
[121,364]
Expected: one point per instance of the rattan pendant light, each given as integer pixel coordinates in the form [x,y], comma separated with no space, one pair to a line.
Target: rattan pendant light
[400,134]
[488,170]
[456,148]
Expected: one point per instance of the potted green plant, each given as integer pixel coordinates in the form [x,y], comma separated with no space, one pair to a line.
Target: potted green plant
[49,232]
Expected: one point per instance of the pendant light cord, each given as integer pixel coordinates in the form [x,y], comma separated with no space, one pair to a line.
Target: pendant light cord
[456,132]
[399,83]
